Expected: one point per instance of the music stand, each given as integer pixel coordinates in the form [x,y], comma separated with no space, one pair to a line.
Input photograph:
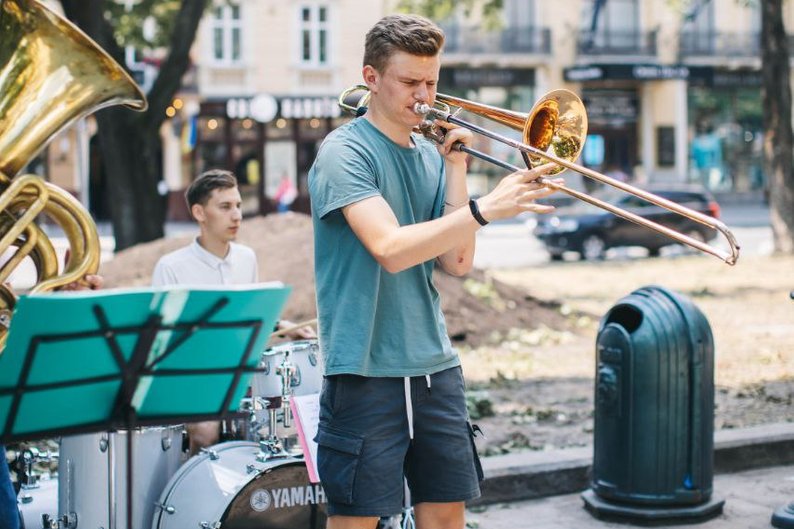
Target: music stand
[82,362]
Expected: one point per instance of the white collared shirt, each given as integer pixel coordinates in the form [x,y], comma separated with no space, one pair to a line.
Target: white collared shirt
[193,265]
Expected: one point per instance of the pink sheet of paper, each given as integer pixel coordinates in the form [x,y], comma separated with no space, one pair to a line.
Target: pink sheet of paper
[306,411]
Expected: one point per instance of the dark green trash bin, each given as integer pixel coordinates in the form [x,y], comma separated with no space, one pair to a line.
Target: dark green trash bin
[654,410]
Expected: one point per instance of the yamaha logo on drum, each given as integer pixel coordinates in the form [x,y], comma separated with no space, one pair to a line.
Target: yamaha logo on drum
[262,500]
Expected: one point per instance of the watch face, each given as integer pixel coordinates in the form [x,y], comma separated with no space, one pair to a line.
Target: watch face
[260,500]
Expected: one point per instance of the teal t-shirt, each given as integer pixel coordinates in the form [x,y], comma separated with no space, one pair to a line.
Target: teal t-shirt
[372,322]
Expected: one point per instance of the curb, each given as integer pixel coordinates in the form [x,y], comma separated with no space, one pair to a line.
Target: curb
[530,475]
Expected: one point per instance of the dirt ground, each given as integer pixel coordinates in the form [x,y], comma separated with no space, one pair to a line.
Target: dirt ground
[539,385]
[527,336]
[474,306]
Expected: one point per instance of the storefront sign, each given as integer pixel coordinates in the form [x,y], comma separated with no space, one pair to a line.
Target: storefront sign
[719,78]
[655,72]
[579,74]
[265,108]
[696,75]
[488,76]
[309,107]
[637,72]
[262,108]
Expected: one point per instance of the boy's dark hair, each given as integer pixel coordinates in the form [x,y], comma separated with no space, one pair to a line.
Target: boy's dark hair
[202,187]
[412,34]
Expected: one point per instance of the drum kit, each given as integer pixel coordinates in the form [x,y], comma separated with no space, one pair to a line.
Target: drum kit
[255,477]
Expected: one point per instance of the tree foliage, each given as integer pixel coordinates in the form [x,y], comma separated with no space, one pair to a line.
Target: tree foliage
[145,25]
[440,10]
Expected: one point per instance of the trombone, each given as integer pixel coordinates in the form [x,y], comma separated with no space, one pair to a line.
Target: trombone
[554,131]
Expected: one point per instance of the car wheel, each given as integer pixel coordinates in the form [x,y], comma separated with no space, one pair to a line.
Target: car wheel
[593,248]
[654,252]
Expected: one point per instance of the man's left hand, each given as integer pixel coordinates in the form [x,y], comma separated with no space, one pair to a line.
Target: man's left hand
[301,333]
[454,134]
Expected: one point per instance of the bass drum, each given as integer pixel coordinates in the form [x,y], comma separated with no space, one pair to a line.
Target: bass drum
[227,486]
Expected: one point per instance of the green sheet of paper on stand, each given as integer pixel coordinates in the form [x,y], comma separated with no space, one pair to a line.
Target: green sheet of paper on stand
[67,353]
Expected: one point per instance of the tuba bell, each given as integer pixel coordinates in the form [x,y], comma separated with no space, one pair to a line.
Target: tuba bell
[51,75]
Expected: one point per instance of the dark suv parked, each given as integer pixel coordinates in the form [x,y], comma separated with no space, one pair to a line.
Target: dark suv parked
[590,231]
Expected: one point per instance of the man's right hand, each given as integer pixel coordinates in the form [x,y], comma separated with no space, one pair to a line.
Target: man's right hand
[517,193]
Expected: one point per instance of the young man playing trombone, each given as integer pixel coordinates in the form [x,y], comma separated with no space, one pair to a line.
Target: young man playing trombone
[386,205]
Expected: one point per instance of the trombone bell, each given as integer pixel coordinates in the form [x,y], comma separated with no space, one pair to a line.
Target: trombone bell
[556,124]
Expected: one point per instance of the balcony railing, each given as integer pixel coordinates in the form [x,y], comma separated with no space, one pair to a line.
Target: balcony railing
[641,43]
[530,40]
[719,44]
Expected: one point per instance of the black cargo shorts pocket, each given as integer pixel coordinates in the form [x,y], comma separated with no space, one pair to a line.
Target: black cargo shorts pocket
[473,430]
[337,462]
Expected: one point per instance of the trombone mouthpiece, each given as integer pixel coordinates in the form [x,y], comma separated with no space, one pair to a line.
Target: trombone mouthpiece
[422,109]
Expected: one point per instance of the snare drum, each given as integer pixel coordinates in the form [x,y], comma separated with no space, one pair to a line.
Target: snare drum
[303,357]
[227,486]
[92,474]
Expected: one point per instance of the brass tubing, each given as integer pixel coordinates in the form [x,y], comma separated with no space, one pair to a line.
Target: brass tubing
[728,257]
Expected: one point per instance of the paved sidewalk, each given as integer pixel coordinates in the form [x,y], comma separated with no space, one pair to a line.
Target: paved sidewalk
[750,499]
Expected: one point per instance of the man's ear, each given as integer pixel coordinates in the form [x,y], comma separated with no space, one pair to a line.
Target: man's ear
[371,78]
[197,210]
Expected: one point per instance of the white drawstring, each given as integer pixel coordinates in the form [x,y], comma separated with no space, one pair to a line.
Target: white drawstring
[409,408]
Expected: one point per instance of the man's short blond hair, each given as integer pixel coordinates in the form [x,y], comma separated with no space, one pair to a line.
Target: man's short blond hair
[412,34]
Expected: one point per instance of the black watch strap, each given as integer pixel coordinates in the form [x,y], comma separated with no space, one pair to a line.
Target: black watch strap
[475,212]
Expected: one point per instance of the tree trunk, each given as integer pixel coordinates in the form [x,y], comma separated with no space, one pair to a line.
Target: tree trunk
[131,155]
[778,140]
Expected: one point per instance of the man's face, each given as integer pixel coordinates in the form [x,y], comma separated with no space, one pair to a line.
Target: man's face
[406,80]
[221,216]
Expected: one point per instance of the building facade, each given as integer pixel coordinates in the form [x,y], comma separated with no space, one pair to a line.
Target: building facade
[268,76]
[671,95]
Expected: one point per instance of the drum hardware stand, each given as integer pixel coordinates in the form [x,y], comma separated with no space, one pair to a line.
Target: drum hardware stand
[287,371]
[25,461]
[67,521]
[27,458]
[271,447]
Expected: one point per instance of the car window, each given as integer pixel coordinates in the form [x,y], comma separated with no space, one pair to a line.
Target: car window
[682,196]
[632,201]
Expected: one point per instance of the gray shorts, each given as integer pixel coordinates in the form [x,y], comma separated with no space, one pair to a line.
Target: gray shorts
[365,450]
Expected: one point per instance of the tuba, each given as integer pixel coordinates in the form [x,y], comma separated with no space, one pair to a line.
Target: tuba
[51,75]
